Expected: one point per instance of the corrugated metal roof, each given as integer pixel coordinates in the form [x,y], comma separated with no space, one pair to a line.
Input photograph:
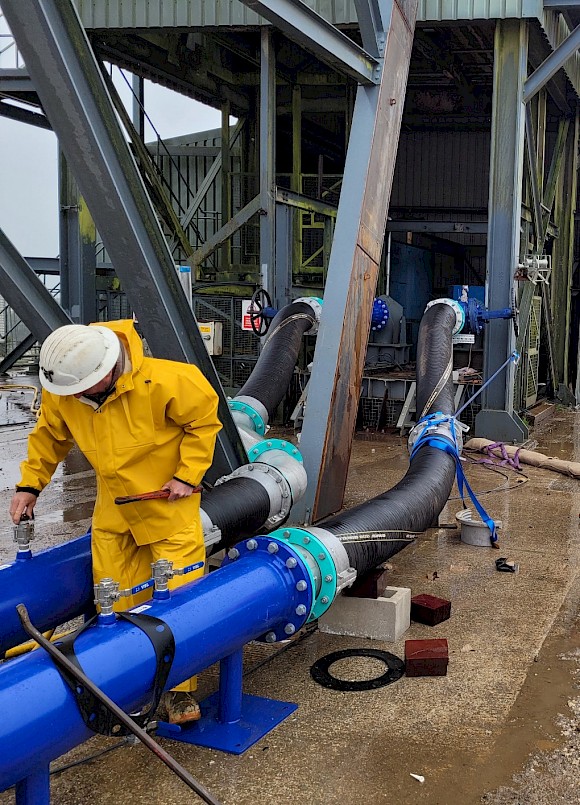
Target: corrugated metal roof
[199,13]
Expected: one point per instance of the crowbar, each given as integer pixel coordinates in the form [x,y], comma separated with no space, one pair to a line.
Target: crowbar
[124,718]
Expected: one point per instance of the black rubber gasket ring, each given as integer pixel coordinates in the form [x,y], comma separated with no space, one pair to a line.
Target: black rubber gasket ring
[320,673]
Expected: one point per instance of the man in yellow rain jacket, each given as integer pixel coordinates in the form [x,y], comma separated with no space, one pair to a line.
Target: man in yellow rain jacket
[143,424]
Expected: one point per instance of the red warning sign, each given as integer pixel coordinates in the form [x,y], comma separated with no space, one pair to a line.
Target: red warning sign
[247,308]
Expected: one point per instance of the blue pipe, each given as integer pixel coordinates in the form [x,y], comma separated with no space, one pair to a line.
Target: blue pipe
[265,588]
[56,585]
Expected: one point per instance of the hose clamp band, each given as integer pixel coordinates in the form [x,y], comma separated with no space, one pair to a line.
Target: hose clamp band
[315,303]
[438,424]
[275,484]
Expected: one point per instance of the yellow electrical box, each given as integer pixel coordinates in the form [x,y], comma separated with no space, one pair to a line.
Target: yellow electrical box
[211,332]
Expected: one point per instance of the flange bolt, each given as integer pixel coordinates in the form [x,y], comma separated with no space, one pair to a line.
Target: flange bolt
[300,609]
[273,547]
[270,637]
[233,553]
[301,585]
[291,562]
[251,544]
[324,599]
[289,628]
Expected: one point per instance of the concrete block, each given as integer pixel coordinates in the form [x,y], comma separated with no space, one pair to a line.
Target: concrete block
[384,618]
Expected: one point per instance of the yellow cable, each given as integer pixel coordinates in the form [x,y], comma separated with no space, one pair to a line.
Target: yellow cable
[31,645]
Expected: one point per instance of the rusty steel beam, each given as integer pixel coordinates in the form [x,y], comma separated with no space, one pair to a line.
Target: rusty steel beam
[334,388]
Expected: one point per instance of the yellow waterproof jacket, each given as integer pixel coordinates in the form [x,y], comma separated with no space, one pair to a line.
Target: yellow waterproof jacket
[161,421]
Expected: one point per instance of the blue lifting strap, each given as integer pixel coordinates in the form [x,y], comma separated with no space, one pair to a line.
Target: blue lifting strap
[447,446]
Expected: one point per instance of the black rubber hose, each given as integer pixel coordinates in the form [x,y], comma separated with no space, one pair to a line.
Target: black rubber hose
[239,508]
[273,371]
[415,502]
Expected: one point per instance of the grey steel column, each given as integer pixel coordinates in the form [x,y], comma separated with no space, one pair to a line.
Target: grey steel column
[267,157]
[285,227]
[26,294]
[497,419]
[334,387]
[138,105]
[77,250]
[70,85]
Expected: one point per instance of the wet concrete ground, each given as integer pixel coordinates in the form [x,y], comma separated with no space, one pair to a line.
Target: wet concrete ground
[502,727]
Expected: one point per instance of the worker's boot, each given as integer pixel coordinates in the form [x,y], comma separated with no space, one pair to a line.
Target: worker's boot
[181,707]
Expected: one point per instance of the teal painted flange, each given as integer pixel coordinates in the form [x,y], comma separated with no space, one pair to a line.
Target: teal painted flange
[257,421]
[303,539]
[274,444]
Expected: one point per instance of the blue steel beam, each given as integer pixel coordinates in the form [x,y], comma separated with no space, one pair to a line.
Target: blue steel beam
[320,37]
[548,68]
[497,419]
[339,357]
[71,87]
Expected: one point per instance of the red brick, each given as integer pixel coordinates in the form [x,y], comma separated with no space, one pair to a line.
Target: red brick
[426,657]
[429,609]
[371,585]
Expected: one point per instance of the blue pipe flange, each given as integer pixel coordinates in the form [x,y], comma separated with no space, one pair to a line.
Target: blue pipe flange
[309,542]
[457,307]
[274,444]
[257,421]
[380,315]
[299,577]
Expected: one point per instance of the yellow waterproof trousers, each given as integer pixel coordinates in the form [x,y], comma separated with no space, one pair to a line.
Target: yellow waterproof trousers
[117,556]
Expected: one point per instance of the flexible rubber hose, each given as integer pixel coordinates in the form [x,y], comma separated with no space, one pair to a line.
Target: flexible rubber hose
[239,508]
[273,371]
[415,502]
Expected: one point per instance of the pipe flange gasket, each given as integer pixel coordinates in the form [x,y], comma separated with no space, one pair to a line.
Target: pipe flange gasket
[257,421]
[321,674]
[291,563]
[274,444]
[307,541]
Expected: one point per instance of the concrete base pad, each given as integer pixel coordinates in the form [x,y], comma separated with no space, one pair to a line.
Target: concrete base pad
[384,618]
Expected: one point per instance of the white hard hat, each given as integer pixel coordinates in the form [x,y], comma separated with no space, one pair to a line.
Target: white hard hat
[76,357]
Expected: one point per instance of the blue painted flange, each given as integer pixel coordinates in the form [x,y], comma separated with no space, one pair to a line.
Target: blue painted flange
[274,444]
[299,578]
[257,421]
[328,582]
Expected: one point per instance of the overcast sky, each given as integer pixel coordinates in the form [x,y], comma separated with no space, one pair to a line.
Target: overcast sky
[28,166]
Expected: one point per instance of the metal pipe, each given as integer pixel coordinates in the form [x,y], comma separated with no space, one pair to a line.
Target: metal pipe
[70,668]
[260,590]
